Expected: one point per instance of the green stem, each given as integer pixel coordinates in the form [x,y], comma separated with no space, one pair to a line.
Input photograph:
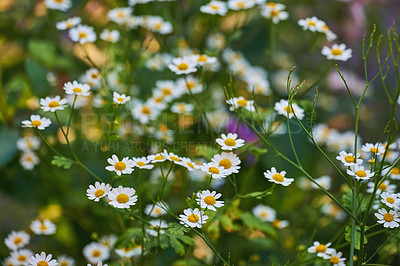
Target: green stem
[70,116]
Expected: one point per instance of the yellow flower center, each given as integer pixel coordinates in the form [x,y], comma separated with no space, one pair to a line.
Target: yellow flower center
[193,218]
[69,24]
[121,14]
[43,227]
[77,90]
[82,35]
[241,4]
[390,200]
[120,166]
[372,160]
[263,214]
[36,123]
[320,248]
[190,164]
[349,159]
[334,260]
[388,217]
[289,109]
[395,171]
[99,193]
[190,84]
[183,66]
[146,110]
[174,158]
[276,223]
[53,104]
[202,58]
[275,13]
[271,4]
[59,1]
[120,99]
[311,23]
[21,258]
[42,263]
[96,253]
[230,142]
[209,200]
[337,51]
[225,163]
[63,263]
[214,7]
[278,177]
[383,187]
[94,75]
[326,28]
[158,26]
[18,240]
[361,173]
[242,102]
[122,198]
[166,91]
[159,157]
[374,150]
[141,163]
[182,107]
[213,170]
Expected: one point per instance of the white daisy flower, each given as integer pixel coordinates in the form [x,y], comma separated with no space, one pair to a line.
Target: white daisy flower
[28,143]
[17,240]
[68,23]
[42,260]
[95,252]
[168,89]
[129,252]
[274,11]
[388,219]
[359,172]
[37,121]
[142,163]
[76,88]
[230,141]
[156,210]
[21,256]
[156,227]
[348,158]
[110,35]
[187,162]
[122,197]
[53,104]
[336,258]
[45,227]
[171,156]
[120,167]
[321,249]
[182,108]
[214,170]
[385,186]
[228,160]
[283,108]
[264,213]
[97,191]
[92,77]
[394,172]
[65,261]
[312,24]
[62,5]
[156,158]
[374,149]
[193,218]
[237,102]
[280,224]
[82,34]
[157,24]
[120,98]
[191,84]
[28,160]
[215,8]
[145,112]
[390,199]
[240,4]
[183,65]
[278,178]
[337,52]
[204,60]
[120,15]
[208,200]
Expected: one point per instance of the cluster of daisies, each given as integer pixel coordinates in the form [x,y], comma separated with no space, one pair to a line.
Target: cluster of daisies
[324,251]
[28,145]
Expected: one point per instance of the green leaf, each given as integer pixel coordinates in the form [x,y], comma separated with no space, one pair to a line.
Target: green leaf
[357,236]
[8,140]
[258,194]
[178,246]
[163,241]
[177,229]
[254,223]
[38,77]
[186,239]
[62,162]
[347,199]
[129,237]
[43,52]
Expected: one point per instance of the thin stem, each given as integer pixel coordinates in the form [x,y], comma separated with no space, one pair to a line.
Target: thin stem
[70,116]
